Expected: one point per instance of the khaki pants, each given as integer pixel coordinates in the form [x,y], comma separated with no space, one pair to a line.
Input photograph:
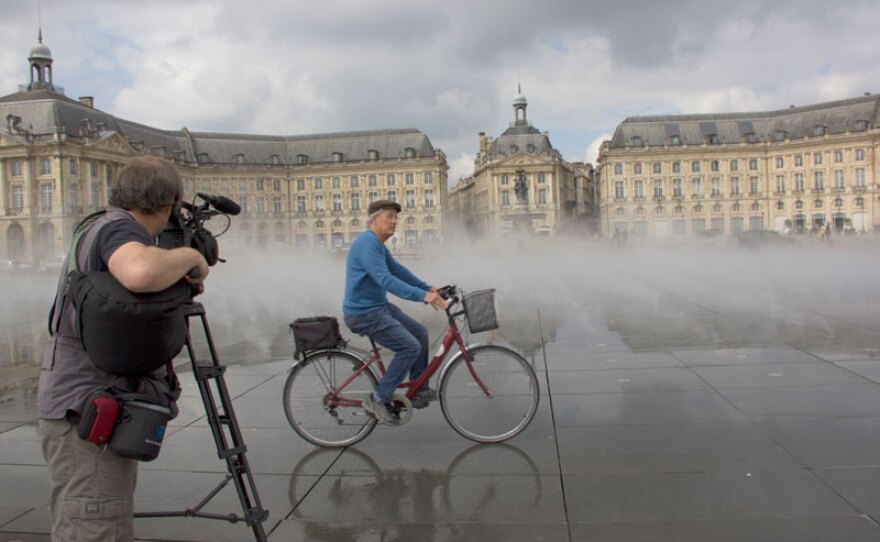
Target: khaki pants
[91,489]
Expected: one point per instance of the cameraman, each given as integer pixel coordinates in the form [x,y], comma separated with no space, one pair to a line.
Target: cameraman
[92,488]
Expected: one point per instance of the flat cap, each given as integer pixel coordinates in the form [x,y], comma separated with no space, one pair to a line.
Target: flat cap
[380,204]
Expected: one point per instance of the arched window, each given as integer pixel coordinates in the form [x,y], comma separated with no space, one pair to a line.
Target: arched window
[337,157]
[780,206]
[409,152]
[755,206]
[716,208]
[373,154]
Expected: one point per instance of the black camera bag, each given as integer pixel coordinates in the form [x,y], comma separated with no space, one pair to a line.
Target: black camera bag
[315,333]
[140,427]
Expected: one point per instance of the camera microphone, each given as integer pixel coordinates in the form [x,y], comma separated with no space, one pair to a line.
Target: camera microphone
[222,204]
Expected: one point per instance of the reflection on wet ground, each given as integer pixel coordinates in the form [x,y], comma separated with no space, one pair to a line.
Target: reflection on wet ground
[685,396]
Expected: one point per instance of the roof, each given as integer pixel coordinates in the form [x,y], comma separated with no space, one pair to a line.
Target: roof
[796,122]
[43,112]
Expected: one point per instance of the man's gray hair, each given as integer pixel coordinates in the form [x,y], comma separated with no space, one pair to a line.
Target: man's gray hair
[146,183]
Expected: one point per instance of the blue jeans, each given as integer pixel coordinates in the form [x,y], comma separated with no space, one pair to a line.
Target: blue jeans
[396,331]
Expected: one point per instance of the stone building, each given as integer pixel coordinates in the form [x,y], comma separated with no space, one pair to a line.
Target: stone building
[518,175]
[790,170]
[59,157]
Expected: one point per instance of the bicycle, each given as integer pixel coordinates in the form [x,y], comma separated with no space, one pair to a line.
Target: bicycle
[487,392]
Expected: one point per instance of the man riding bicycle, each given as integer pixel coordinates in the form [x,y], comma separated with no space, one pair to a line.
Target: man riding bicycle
[370,273]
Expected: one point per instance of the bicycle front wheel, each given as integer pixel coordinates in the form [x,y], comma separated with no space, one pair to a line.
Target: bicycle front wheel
[319,416]
[491,399]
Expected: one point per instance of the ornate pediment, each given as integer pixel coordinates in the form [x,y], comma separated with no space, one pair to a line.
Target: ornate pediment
[114,142]
[524,159]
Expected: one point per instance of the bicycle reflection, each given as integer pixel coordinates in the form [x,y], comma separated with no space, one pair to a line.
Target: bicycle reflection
[354,499]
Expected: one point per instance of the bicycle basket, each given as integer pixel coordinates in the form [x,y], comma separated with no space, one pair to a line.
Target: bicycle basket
[479,307]
[315,333]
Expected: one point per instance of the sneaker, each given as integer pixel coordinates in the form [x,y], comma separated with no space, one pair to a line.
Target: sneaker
[423,397]
[379,410]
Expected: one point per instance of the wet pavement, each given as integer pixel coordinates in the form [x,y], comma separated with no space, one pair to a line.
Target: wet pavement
[723,396]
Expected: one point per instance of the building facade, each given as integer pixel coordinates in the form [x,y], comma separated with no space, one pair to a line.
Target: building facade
[791,171]
[59,157]
[518,174]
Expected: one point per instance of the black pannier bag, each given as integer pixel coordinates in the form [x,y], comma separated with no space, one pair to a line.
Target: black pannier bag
[315,333]
[127,333]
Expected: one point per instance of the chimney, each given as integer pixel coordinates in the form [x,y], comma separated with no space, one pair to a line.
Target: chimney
[87,101]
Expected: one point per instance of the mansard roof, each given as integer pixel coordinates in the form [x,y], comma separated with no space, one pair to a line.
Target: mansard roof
[45,113]
[793,123]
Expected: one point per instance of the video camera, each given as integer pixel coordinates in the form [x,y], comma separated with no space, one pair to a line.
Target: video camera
[186,225]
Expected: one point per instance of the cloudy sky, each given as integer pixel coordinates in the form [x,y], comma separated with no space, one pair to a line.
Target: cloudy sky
[449,68]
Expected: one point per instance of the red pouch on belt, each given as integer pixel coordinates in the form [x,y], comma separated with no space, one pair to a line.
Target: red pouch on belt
[98,419]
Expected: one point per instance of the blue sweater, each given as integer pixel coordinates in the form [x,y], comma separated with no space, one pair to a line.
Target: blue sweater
[371,271]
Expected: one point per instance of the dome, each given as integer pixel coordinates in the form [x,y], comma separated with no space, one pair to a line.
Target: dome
[41,52]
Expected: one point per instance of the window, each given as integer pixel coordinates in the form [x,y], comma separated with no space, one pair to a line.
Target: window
[16,168]
[505,180]
[319,183]
[302,159]
[715,166]
[838,179]
[337,203]
[355,201]
[861,125]
[335,183]
[73,201]
[276,185]
[716,186]
[373,155]
[780,184]
[637,168]
[718,225]
[798,160]
[860,202]
[319,203]
[676,188]
[530,148]
[300,184]
[410,199]
[798,182]
[750,138]
[838,157]
[674,140]
[392,195]
[818,130]
[753,164]
[753,186]
[679,228]
[712,139]
[817,159]
[696,187]
[72,167]
[657,168]
[429,199]
[734,165]
[45,166]
[818,180]
[780,135]
[409,152]
[46,192]
[337,157]
[276,205]
[261,205]
[695,166]
[636,141]
[639,190]
[541,178]
[542,196]
[618,169]
[658,188]
[699,225]
[756,222]
[676,167]
[860,177]
[716,209]
[514,149]
[353,182]
[371,180]
[505,198]
[428,177]
[860,154]
[372,196]
[389,179]
[734,186]
[18,198]
[780,206]
[409,178]
[618,190]
[780,162]
[736,224]
[412,238]
[260,185]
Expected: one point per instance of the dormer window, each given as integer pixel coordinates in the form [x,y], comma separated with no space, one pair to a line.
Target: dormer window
[203,158]
[409,152]
[712,139]
[530,148]
[861,125]
[337,157]
[780,135]
[372,154]
[159,151]
[302,159]
[514,149]
[674,140]
[239,159]
[275,160]
[750,138]
[819,130]
[636,141]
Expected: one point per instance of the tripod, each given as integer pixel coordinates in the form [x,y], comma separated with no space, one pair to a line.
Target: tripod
[227,437]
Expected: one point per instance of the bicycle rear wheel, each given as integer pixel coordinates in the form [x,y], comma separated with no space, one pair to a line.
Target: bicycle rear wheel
[509,406]
[310,407]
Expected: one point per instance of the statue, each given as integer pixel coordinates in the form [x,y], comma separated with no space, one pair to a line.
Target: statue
[521,187]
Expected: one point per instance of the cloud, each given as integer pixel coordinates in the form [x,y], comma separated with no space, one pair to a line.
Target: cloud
[593,149]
